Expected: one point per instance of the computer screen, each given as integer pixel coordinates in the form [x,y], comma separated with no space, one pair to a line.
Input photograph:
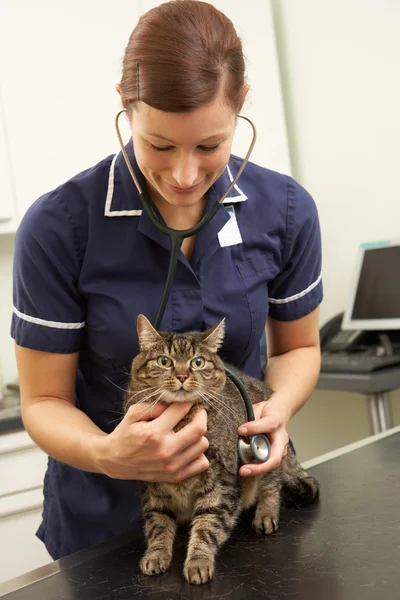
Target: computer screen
[374,300]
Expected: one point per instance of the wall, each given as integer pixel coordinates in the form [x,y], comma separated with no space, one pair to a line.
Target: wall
[78,102]
[339,68]
[339,63]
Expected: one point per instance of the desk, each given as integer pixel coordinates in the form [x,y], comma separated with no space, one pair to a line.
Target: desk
[346,547]
[376,387]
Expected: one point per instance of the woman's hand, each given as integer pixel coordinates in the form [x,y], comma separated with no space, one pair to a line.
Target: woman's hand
[145,447]
[272,422]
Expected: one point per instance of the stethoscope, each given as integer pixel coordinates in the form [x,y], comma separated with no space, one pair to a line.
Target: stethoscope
[254,448]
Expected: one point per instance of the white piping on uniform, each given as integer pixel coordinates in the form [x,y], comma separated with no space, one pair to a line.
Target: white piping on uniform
[296,296]
[241,196]
[110,191]
[55,324]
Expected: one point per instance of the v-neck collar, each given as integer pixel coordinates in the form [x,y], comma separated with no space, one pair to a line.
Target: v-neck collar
[122,200]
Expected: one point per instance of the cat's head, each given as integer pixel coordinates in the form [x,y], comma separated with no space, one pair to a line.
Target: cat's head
[180,367]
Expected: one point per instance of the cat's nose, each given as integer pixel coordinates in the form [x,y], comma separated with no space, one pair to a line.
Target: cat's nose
[182,378]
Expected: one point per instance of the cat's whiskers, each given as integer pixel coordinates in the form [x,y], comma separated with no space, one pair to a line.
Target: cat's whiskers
[114,384]
[153,404]
[124,372]
[221,403]
[225,408]
[132,394]
[151,393]
[220,395]
[117,412]
[119,418]
[207,401]
[146,389]
[122,413]
[219,409]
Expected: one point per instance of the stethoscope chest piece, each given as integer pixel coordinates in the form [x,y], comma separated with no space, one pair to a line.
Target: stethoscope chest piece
[254,449]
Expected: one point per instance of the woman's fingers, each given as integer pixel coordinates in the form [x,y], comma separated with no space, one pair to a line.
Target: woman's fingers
[279,441]
[184,459]
[265,424]
[172,415]
[145,443]
[145,411]
[192,432]
[197,466]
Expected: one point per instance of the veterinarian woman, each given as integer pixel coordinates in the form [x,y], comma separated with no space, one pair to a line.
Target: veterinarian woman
[88,260]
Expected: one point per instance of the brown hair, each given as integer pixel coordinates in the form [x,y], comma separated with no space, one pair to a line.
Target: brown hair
[180,55]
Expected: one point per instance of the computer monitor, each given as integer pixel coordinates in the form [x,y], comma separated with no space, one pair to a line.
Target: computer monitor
[374,300]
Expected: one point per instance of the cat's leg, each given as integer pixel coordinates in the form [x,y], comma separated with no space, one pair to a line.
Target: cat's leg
[268,505]
[289,482]
[160,529]
[298,487]
[214,517]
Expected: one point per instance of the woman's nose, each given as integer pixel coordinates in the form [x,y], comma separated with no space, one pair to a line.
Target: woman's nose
[186,172]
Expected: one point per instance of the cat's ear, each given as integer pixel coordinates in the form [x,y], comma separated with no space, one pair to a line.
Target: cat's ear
[146,332]
[214,337]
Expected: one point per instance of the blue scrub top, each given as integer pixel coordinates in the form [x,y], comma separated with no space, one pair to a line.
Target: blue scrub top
[88,260]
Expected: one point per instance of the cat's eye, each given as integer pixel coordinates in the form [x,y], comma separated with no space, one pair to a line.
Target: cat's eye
[164,361]
[198,362]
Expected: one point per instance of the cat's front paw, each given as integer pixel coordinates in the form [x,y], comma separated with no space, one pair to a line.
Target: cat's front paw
[155,562]
[264,524]
[198,570]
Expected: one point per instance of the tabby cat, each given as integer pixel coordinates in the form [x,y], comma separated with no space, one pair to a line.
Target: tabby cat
[186,367]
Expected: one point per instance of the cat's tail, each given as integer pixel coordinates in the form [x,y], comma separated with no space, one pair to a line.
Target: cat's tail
[298,487]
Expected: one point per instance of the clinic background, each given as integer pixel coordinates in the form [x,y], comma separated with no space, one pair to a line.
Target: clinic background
[325,100]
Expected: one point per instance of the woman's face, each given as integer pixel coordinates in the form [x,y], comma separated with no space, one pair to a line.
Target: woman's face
[182,154]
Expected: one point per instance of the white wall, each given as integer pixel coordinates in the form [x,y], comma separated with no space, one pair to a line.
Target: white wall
[58,100]
[340,63]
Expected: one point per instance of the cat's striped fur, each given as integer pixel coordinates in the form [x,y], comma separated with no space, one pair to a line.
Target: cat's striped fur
[211,501]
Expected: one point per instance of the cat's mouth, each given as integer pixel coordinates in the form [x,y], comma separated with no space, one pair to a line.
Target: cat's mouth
[180,395]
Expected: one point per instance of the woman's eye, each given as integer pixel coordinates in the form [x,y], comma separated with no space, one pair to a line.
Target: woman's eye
[160,149]
[164,361]
[209,148]
[166,148]
[198,362]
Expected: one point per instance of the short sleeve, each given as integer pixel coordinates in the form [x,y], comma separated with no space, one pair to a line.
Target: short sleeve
[48,312]
[297,288]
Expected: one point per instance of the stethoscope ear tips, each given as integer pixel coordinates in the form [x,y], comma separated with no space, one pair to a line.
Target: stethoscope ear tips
[254,449]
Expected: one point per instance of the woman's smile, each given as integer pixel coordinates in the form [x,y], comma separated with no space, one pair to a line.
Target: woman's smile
[181,190]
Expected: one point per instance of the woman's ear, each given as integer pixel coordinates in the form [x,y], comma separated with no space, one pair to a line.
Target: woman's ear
[146,333]
[124,102]
[243,95]
[214,337]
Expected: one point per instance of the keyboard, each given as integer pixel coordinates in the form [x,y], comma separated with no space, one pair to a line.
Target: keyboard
[357,362]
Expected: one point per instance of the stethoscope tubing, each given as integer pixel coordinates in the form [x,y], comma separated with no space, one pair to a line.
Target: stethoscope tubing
[247,446]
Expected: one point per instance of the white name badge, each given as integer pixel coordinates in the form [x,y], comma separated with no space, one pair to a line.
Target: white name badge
[230,234]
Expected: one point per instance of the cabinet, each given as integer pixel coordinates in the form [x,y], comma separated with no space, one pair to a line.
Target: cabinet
[59,63]
[22,468]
